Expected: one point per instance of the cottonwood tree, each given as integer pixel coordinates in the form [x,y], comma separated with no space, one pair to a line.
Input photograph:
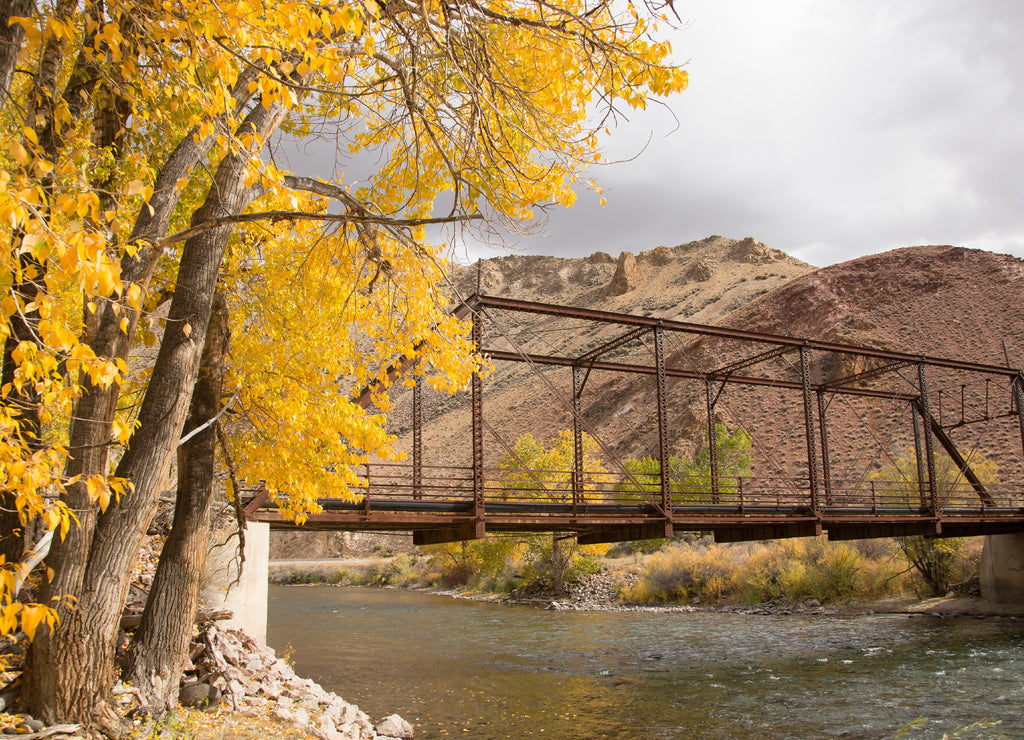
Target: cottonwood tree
[136,174]
[532,471]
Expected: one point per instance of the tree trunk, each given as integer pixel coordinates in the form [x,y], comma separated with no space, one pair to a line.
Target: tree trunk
[69,673]
[157,655]
[11,37]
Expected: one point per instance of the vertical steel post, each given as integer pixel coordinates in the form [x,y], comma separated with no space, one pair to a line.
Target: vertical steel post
[826,465]
[666,491]
[577,438]
[417,440]
[922,474]
[929,458]
[478,439]
[812,452]
[712,442]
[1018,394]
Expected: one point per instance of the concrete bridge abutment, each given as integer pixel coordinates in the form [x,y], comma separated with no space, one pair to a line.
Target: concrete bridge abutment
[246,598]
[1002,568]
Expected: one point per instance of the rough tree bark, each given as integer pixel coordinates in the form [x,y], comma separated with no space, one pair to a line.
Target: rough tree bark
[11,37]
[157,656]
[69,673]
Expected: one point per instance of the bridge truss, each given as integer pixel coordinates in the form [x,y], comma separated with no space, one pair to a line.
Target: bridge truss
[828,420]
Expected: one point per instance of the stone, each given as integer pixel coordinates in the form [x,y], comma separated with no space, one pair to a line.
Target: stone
[394,726]
[199,696]
[699,271]
[601,258]
[283,714]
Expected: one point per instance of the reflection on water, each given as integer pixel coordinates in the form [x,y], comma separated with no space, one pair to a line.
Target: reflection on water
[458,668]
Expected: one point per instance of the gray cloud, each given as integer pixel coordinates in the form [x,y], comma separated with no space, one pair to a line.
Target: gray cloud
[826,129]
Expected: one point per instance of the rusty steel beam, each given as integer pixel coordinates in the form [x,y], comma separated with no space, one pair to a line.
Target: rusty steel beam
[666,491]
[866,374]
[477,403]
[812,452]
[768,532]
[826,463]
[1018,396]
[612,345]
[922,472]
[460,533]
[674,372]
[727,370]
[961,462]
[926,418]
[261,497]
[712,440]
[577,437]
[417,439]
[609,317]
[653,531]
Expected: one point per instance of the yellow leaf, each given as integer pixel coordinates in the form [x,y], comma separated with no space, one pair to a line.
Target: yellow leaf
[31,616]
[187,330]
[18,152]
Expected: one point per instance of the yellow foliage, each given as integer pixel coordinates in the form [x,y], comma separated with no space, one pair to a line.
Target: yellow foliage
[489,117]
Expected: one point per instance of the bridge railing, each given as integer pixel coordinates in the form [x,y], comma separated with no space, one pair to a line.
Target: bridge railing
[455,483]
[878,494]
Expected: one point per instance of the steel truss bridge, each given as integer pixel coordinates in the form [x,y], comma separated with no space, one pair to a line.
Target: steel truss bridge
[833,417]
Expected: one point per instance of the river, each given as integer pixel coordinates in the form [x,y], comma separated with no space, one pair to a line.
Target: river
[457,668]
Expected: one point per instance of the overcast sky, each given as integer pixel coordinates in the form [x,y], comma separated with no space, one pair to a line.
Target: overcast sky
[828,129]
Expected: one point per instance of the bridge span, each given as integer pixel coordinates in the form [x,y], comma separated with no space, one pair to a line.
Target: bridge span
[827,419]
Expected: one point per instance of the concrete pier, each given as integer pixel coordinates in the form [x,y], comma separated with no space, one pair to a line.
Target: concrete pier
[247,599]
[1002,568]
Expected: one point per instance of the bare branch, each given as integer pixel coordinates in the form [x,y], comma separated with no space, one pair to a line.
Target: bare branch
[275,216]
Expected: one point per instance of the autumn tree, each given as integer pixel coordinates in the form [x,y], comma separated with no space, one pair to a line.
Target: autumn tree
[138,181]
[533,471]
[690,480]
[939,562]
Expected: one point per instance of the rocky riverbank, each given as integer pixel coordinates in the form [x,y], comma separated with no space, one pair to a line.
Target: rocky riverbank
[600,592]
[242,689]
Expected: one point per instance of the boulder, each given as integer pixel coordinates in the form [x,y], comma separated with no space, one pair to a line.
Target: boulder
[394,726]
[199,695]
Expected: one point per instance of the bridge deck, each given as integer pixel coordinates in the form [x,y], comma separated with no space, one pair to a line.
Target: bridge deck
[441,506]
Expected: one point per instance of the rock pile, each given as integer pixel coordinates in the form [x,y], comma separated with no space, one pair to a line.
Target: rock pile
[230,668]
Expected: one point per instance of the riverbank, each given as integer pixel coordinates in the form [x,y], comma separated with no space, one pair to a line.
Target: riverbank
[601,592]
[598,593]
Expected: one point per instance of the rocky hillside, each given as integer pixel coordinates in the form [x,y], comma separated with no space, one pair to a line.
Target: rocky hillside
[700,281]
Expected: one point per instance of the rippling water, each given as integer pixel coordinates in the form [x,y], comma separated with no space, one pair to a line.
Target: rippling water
[459,668]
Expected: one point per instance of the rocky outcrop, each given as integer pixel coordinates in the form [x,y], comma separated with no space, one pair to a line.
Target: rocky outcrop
[700,271]
[626,272]
[751,250]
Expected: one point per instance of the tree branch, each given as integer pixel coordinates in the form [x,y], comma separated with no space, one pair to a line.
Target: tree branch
[275,216]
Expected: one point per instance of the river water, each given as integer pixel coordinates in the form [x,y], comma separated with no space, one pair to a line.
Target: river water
[458,668]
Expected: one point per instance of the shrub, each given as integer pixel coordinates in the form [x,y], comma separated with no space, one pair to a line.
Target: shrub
[680,573]
[766,571]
